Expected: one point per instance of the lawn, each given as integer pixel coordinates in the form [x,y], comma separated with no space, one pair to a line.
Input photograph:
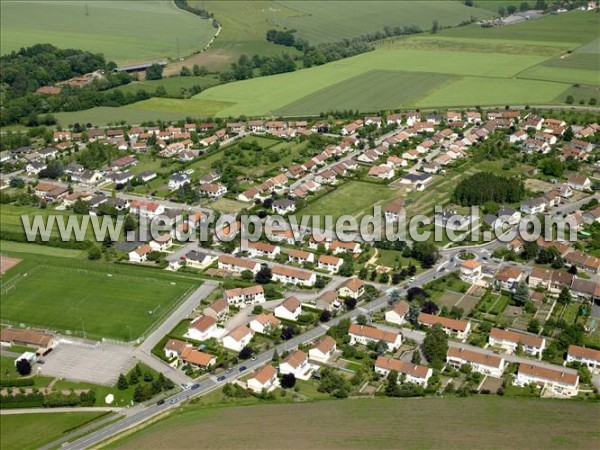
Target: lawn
[125,31]
[393,258]
[227,205]
[354,198]
[10,246]
[31,431]
[372,91]
[485,422]
[105,300]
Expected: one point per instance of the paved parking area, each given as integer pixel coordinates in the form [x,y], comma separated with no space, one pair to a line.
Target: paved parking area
[99,364]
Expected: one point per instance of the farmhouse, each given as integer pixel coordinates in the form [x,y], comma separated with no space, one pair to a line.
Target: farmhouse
[297,364]
[461,328]
[364,334]
[293,276]
[587,356]
[398,313]
[323,350]
[202,328]
[237,265]
[479,361]
[508,340]
[239,338]
[414,373]
[264,323]
[289,309]
[555,381]
[247,296]
[263,380]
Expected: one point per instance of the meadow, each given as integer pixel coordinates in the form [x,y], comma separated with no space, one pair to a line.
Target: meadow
[70,295]
[484,422]
[124,31]
[31,431]
[354,198]
[174,86]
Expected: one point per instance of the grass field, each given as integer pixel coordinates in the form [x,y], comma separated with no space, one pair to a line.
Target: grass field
[175,86]
[354,198]
[125,31]
[31,431]
[10,246]
[477,422]
[106,300]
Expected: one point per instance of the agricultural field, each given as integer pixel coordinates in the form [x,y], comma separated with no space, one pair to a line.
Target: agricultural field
[124,31]
[175,86]
[107,300]
[354,198]
[380,422]
[31,431]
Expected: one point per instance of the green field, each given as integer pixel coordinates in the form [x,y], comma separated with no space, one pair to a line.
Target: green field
[125,31]
[31,431]
[10,246]
[354,198]
[477,422]
[175,86]
[107,300]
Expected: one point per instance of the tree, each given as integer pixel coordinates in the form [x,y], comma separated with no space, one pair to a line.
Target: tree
[325,316]
[564,297]
[23,367]
[185,72]
[130,223]
[435,346]
[391,385]
[122,383]
[570,100]
[511,9]
[246,353]
[154,72]
[288,381]
[94,253]
[264,275]
[521,295]
[361,319]
[134,378]
[435,26]
[502,11]
[416,357]
[247,275]
[416,294]
[524,6]
[429,307]
[533,326]
[568,135]
[346,269]
[350,303]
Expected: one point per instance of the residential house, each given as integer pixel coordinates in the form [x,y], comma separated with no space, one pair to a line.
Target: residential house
[301,256]
[237,265]
[328,301]
[534,205]
[363,334]
[509,340]
[557,381]
[351,288]
[140,254]
[579,182]
[413,373]
[202,328]
[284,206]
[338,247]
[323,350]
[297,364]
[394,210]
[289,309]
[470,271]
[262,249]
[508,278]
[198,260]
[264,323]
[479,361]
[177,180]
[186,353]
[331,264]
[586,356]
[383,172]
[397,314]
[218,309]
[460,328]
[263,380]
[247,296]
[162,243]
[212,190]
[238,338]
[293,276]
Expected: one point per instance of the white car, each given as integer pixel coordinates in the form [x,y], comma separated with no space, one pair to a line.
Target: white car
[412,280]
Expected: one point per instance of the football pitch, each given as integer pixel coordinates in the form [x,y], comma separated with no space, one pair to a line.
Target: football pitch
[92,299]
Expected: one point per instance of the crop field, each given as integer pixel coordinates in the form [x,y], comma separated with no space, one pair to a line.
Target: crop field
[354,198]
[484,422]
[519,64]
[125,31]
[107,300]
[31,431]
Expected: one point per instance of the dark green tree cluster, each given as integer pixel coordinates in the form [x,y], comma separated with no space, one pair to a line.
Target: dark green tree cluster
[435,346]
[485,187]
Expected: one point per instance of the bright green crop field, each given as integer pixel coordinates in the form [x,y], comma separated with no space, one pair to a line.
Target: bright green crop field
[125,31]
[107,300]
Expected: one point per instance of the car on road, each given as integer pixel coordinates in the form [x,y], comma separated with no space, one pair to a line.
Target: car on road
[160,402]
[228,370]
[243,368]
[253,358]
[195,386]
[412,280]
[221,378]
[485,258]
[173,401]
[186,386]
[441,269]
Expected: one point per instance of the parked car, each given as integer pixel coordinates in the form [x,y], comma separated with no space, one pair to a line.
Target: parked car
[195,386]
[160,402]
[242,368]
[221,378]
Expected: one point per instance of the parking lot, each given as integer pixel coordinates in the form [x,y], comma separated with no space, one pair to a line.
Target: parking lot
[98,364]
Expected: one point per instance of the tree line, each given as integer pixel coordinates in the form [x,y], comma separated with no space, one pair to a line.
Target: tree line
[485,187]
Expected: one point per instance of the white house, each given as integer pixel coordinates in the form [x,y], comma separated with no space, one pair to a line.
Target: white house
[202,328]
[140,254]
[398,313]
[290,275]
[413,373]
[587,356]
[460,328]
[177,180]
[238,265]
[329,263]
[289,309]
[247,296]
[263,380]
[470,271]
[198,260]
[556,382]
[258,249]
[323,350]
[284,206]
[364,334]
[264,323]
[351,288]
[579,182]
[297,364]
[480,362]
[162,243]
[508,340]
[238,338]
